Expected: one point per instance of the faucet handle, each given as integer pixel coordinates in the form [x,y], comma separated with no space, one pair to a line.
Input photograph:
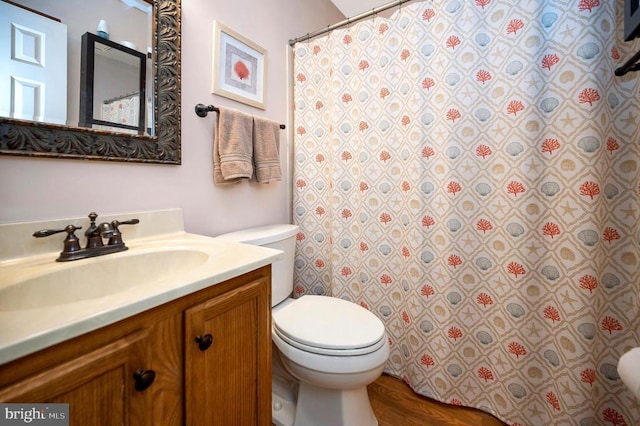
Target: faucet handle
[71,242]
[70,229]
[116,223]
[116,238]
[46,232]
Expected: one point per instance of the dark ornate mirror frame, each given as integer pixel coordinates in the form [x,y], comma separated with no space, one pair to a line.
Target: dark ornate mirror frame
[33,139]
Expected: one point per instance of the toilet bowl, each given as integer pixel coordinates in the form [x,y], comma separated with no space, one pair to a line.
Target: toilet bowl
[335,348]
[326,350]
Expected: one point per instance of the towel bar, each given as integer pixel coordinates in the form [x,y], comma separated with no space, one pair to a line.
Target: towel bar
[202,110]
[631,65]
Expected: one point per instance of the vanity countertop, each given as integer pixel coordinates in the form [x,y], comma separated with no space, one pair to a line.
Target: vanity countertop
[27,329]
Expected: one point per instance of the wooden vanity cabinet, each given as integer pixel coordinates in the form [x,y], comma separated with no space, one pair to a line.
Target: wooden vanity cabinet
[228,343]
[104,375]
[96,385]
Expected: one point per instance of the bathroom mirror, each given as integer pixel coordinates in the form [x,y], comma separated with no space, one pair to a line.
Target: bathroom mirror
[112,85]
[159,144]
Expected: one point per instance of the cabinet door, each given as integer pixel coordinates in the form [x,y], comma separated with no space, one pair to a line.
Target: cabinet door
[228,381]
[99,386]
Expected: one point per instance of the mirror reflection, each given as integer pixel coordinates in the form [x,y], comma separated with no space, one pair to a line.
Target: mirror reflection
[40,59]
[112,86]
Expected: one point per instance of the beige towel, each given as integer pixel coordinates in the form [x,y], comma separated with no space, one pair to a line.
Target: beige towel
[266,147]
[232,147]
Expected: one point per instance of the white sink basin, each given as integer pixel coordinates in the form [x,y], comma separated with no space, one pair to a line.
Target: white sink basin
[44,302]
[97,277]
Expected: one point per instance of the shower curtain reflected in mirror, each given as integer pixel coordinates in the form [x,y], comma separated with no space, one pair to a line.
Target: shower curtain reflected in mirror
[469,171]
[122,109]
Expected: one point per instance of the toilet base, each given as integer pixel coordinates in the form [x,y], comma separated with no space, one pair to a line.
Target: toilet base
[284,393]
[314,406]
[332,407]
[283,412]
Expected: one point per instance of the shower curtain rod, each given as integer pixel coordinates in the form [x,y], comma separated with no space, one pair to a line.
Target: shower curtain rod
[348,21]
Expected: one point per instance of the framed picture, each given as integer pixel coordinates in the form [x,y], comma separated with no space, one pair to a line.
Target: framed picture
[239,67]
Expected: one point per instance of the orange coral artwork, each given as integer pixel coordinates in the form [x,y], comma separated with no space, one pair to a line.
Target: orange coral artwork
[238,70]
[241,70]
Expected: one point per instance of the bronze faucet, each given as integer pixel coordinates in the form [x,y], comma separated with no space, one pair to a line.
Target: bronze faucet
[95,246]
[95,233]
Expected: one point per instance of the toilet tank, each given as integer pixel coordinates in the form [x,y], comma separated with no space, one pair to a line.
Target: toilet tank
[280,237]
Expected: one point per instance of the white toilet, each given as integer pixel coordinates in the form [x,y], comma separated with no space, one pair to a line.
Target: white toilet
[326,350]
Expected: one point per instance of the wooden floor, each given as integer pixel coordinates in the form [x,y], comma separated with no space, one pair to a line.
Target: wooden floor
[395,404]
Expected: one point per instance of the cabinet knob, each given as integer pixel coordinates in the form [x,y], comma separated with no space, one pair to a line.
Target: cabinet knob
[204,342]
[144,379]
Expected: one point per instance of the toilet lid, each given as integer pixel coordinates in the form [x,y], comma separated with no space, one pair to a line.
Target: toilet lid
[329,323]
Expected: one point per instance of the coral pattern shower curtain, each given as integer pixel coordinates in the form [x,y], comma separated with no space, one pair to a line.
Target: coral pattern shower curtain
[470,172]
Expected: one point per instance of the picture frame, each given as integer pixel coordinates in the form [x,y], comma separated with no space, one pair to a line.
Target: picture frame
[238,67]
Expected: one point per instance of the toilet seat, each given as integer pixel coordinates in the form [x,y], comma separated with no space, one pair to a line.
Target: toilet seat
[329,326]
[331,352]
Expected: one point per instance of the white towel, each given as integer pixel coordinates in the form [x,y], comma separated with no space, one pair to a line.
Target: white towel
[232,147]
[266,150]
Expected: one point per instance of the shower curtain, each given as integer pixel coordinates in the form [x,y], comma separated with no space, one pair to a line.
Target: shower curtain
[469,171]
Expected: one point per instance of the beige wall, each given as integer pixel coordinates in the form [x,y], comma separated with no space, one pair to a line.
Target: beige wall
[32,188]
